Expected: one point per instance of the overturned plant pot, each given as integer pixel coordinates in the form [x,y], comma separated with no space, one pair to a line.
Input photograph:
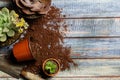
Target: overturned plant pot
[22,51]
[51,67]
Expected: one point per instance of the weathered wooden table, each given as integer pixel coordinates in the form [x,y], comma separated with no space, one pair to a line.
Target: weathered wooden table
[94,35]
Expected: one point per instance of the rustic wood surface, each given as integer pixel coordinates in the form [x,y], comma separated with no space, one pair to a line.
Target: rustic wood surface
[94,37]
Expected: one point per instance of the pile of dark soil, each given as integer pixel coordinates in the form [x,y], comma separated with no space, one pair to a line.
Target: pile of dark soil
[46,41]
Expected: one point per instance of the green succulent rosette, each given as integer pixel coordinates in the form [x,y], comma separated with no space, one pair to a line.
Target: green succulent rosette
[11,26]
[50,67]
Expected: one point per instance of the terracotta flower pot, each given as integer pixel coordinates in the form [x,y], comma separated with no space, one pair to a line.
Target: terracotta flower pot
[22,51]
[55,62]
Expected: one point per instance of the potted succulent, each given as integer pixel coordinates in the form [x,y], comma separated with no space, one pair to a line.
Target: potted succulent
[22,50]
[32,8]
[51,67]
[11,26]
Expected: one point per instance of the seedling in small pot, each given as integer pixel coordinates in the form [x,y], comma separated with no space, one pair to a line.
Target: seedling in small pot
[51,67]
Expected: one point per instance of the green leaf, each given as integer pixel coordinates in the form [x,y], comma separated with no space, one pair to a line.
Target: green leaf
[5,29]
[1,25]
[49,63]
[54,66]
[0,28]
[52,71]
[7,24]
[1,15]
[0,31]
[3,38]
[47,67]
[5,11]
[1,34]
[11,33]
[12,13]
[1,20]
[5,14]
[5,18]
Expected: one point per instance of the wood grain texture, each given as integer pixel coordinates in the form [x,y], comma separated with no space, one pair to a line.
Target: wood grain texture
[89,8]
[9,79]
[93,68]
[94,39]
[94,47]
[4,75]
[90,68]
[92,27]
[5,3]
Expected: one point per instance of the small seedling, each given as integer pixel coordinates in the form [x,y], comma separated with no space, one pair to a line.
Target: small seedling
[50,67]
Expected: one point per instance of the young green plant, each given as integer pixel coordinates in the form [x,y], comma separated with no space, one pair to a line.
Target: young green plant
[50,67]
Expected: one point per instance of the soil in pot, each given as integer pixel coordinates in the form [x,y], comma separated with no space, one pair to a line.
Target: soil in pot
[10,40]
[51,67]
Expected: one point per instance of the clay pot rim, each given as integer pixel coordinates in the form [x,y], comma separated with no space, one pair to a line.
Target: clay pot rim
[28,40]
[51,59]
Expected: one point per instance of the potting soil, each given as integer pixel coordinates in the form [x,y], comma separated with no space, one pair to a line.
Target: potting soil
[46,41]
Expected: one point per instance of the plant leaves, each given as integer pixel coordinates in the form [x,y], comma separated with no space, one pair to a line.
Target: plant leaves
[51,66]
[7,24]
[54,66]
[3,38]
[5,11]
[0,28]
[12,13]
[52,71]
[1,34]
[5,29]
[47,67]
[11,33]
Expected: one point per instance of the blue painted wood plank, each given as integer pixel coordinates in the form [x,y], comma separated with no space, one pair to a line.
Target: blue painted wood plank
[85,8]
[94,47]
[92,27]
[93,68]
[5,3]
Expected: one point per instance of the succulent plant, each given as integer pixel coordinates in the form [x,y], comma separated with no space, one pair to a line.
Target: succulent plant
[33,8]
[51,67]
[10,23]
